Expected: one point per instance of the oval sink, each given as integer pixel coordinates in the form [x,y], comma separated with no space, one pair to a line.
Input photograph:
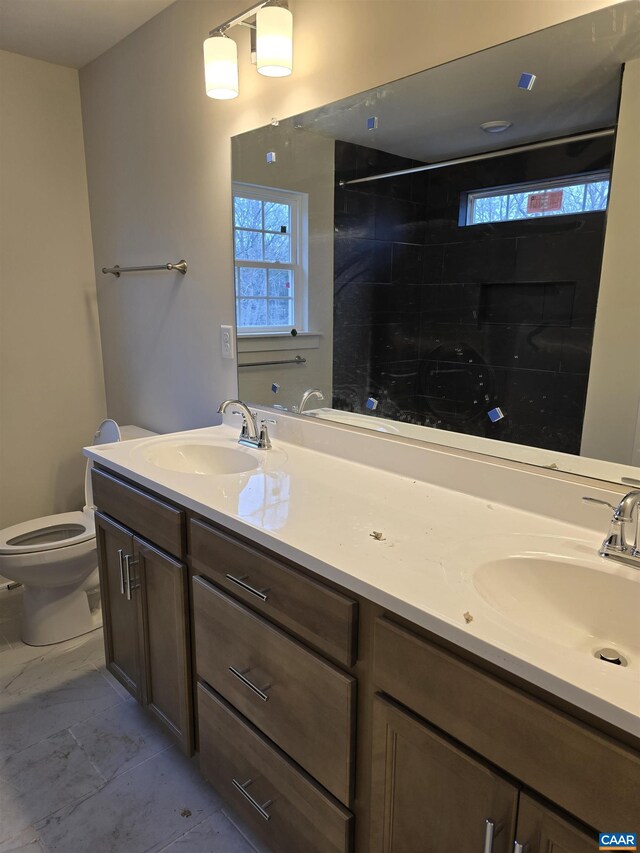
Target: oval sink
[194,458]
[354,419]
[565,601]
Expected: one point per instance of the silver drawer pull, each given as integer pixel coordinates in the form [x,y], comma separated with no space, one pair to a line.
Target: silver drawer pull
[517,847]
[240,674]
[121,567]
[259,808]
[489,832]
[129,561]
[259,593]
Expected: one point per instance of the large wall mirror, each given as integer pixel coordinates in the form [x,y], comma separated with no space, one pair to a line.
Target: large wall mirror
[450,257]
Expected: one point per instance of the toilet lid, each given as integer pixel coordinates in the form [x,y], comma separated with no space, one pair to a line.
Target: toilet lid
[107,432]
[47,533]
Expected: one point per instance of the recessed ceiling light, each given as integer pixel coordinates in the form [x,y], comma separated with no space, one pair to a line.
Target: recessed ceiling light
[495,126]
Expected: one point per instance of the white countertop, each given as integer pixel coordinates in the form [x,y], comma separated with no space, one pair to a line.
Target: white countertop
[319,510]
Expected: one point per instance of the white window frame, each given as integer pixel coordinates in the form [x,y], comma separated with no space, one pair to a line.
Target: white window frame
[469,198]
[299,234]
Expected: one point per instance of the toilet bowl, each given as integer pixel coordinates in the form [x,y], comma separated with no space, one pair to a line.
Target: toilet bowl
[55,559]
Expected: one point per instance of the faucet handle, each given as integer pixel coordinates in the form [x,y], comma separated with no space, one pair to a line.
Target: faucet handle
[264,441]
[588,499]
[244,431]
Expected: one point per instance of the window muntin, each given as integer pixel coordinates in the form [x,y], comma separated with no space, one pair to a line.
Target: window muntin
[269,229]
[561,197]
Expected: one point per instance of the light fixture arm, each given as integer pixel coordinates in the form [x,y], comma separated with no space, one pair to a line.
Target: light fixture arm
[243,17]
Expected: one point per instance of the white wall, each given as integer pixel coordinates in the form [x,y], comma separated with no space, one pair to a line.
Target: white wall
[51,381]
[612,415]
[158,159]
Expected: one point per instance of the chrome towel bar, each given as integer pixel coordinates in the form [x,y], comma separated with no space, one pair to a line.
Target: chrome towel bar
[181,266]
[297,360]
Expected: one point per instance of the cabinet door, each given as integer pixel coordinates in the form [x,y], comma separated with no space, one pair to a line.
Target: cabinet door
[121,609]
[430,796]
[165,641]
[541,830]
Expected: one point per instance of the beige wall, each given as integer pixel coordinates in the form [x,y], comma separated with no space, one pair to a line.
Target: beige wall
[51,383]
[158,159]
[612,416]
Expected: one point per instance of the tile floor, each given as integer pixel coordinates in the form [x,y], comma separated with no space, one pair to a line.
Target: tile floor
[83,769]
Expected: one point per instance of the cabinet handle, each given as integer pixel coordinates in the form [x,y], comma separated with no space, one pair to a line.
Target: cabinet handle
[517,847]
[259,593]
[239,674]
[491,830]
[261,809]
[121,567]
[128,563]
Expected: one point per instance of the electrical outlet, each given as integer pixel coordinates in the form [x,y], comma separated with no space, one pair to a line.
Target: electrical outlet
[227,342]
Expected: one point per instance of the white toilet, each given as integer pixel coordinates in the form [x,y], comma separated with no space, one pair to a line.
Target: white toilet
[55,559]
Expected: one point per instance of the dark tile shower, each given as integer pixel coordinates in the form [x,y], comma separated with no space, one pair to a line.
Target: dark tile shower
[444,323]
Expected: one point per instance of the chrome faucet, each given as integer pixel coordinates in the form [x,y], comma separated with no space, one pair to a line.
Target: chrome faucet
[250,436]
[616,546]
[308,394]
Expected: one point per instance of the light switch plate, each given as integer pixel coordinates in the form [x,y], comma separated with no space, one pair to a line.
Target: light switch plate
[228,341]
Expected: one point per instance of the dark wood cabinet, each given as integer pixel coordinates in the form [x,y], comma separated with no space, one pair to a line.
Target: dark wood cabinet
[147,646]
[431,796]
[302,702]
[542,830]
[167,690]
[121,611]
[282,805]
[329,724]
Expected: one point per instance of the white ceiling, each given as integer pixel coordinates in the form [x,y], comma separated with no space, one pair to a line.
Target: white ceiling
[436,114]
[71,32]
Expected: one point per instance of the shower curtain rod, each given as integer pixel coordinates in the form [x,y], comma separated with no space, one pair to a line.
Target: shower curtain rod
[579,137]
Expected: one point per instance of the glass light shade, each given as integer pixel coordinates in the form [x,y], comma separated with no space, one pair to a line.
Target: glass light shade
[221,68]
[274,41]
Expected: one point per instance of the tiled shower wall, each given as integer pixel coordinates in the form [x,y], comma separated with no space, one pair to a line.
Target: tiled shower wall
[441,323]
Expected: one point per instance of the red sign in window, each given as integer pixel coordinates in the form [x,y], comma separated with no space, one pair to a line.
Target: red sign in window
[543,202]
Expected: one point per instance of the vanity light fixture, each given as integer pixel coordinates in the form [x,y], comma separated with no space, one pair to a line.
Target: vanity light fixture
[271,25]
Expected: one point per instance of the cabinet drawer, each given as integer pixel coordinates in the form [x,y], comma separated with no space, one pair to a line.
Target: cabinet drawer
[324,618]
[153,519]
[583,771]
[303,703]
[278,802]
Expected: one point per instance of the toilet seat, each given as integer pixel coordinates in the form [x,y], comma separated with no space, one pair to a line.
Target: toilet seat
[48,533]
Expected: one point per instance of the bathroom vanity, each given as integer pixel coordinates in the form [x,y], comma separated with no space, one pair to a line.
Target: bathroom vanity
[310,626]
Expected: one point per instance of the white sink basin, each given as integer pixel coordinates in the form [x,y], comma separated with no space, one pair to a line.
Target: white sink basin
[566,600]
[354,419]
[199,458]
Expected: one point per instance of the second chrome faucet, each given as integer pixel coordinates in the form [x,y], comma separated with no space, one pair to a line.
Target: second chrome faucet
[617,544]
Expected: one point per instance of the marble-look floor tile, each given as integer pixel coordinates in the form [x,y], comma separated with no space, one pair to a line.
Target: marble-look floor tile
[122,691]
[45,696]
[119,738]
[29,847]
[22,654]
[10,629]
[10,604]
[5,642]
[216,834]
[42,779]
[138,811]
[26,841]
